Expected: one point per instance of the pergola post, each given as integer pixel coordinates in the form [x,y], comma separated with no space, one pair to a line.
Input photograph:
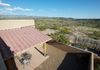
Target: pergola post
[45,49]
[92,61]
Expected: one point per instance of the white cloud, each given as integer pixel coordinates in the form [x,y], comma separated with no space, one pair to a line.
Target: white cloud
[18,9]
[6,8]
[4,4]
[9,9]
[22,9]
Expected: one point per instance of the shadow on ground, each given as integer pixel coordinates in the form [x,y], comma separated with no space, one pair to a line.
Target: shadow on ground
[75,61]
[7,55]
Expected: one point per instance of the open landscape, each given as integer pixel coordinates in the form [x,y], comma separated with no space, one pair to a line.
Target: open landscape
[81,33]
[64,32]
[49,35]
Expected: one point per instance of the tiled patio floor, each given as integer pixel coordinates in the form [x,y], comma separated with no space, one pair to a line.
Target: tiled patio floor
[36,60]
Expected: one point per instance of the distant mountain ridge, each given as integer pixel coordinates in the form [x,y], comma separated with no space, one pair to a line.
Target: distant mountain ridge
[95,23]
[41,17]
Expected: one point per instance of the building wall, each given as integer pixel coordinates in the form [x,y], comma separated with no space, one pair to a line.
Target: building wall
[11,23]
[2,64]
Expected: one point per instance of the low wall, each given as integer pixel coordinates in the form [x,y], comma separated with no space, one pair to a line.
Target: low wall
[12,23]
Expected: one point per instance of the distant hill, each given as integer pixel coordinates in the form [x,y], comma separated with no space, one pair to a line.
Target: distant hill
[15,17]
[95,23]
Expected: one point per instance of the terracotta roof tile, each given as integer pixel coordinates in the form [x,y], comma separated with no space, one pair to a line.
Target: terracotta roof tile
[22,38]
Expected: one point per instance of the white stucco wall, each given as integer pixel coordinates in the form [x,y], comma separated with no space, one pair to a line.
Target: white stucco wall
[9,24]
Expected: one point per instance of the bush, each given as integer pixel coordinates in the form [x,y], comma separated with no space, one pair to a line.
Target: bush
[95,35]
[55,27]
[41,26]
[58,37]
[64,30]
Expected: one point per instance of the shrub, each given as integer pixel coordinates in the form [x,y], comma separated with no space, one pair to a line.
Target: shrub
[64,30]
[58,37]
[95,35]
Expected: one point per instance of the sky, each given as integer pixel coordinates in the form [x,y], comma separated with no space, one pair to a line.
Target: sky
[52,8]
